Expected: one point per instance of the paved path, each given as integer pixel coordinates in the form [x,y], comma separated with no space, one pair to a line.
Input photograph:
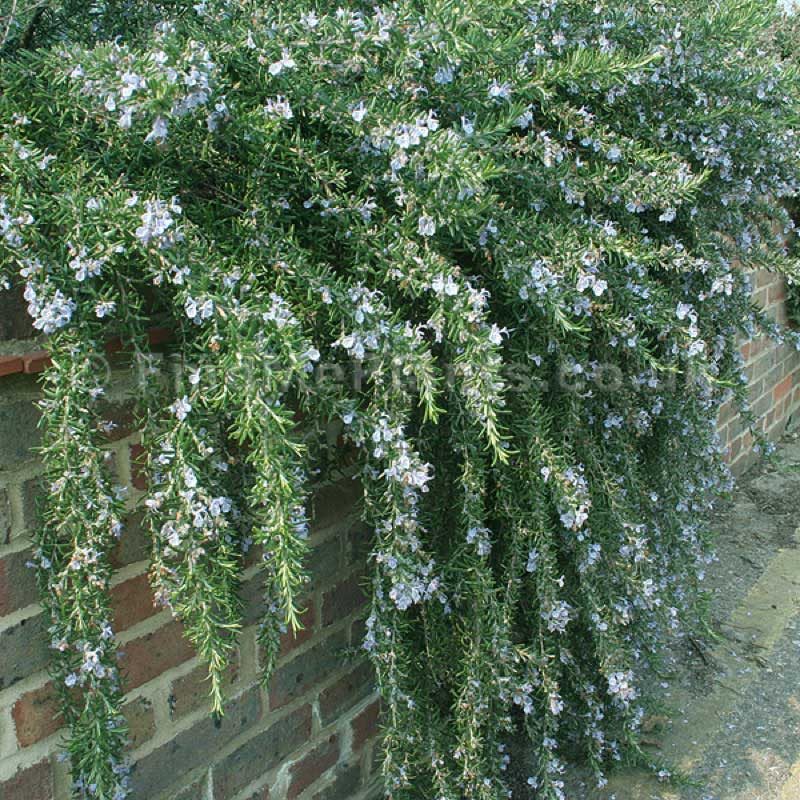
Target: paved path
[735,730]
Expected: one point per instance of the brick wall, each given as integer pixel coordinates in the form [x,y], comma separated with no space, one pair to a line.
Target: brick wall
[773,373]
[311,735]
[308,736]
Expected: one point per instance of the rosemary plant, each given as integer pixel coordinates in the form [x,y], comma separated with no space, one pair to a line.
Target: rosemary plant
[504,244]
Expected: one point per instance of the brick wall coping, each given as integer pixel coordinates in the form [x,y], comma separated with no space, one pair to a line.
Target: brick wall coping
[39,360]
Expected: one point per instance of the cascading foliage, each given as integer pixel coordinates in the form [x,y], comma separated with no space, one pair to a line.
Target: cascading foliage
[504,244]
[787,36]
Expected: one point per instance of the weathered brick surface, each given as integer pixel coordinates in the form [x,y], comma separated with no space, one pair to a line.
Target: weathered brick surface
[365,725]
[324,563]
[121,415]
[194,791]
[194,748]
[137,456]
[132,601]
[17,582]
[358,632]
[19,432]
[359,542]
[345,784]
[773,373]
[11,365]
[260,794]
[31,492]
[343,600]
[133,544]
[291,640]
[31,783]
[306,669]
[191,691]
[203,760]
[23,650]
[148,656]
[346,693]
[274,739]
[141,719]
[313,766]
[252,594]
[331,503]
[36,715]
[15,322]
[261,753]
[5,517]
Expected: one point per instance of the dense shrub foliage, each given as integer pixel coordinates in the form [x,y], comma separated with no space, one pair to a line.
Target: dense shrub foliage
[787,37]
[501,245]
[793,288]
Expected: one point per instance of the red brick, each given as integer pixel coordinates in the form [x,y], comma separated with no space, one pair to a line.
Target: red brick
[32,490]
[763,278]
[9,365]
[783,388]
[132,601]
[358,632]
[5,517]
[123,417]
[254,555]
[37,361]
[36,715]
[777,291]
[292,640]
[261,753]
[331,503]
[148,656]
[294,678]
[141,721]
[159,335]
[324,562]
[134,543]
[342,600]
[360,539]
[254,607]
[365,725]
[20,432]
[138,474]
[726,413]
[191,691]
[752,349]
[17,582]
[168,767]
[113,345]
[33,783]
[346,692]
[745,350]
[312,766]
[24,649]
